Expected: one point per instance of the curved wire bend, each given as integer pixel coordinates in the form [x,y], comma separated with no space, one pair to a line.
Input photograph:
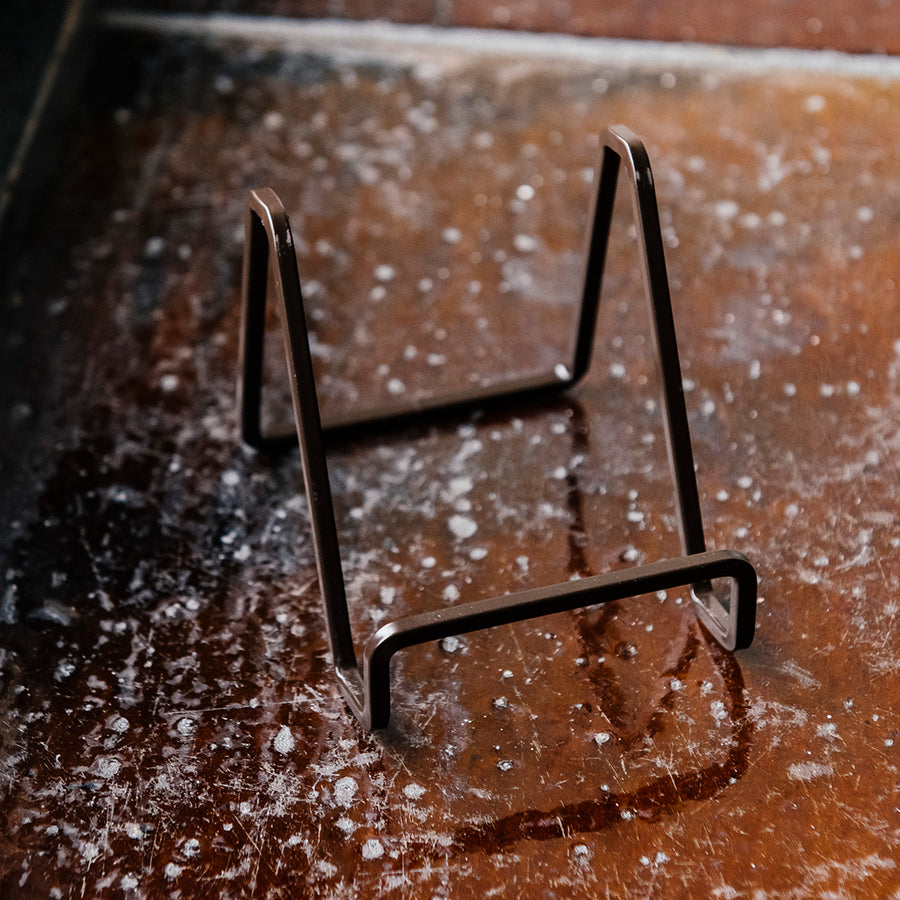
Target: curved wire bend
[366,687]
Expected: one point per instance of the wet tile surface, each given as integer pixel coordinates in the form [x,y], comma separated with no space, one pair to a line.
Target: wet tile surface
[170,723]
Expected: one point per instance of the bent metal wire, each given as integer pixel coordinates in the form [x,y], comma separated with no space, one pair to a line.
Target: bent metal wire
[366,684]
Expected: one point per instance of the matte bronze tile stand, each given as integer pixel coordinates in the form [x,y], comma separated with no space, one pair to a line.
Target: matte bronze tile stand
[366,687]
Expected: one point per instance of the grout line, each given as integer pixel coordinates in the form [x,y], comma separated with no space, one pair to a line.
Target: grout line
[375,40]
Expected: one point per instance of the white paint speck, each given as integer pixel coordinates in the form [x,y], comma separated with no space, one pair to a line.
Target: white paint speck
[602,737]
[525,192]
[807,771]
[284,740]
[505,765]
[385,272]
[726,209]
[395,386]
[128,882]
[230,478]
[827,730]
[458,486]
[186,726]
[451,644]
[814,103]
[429,562]
[372,849]
[224,84]
[168,383]
[452,235]
[469,447]
[273,120]
[451,593]
[414,791]
[525,243]
[865,214]
[242,554]
[108,766]
[462,526]
[64,670]
[345,790]
[172,871]
[478,553]
[717,710]
[89,851]
[667,80]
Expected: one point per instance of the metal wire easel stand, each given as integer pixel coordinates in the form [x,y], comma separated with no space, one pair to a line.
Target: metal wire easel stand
[366,686]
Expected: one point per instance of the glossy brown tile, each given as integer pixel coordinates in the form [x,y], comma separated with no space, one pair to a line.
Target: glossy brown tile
[170,724]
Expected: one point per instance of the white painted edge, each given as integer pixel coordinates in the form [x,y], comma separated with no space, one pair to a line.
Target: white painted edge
[378,41]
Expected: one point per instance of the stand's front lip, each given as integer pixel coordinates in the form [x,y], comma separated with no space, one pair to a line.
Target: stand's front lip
[367,688]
